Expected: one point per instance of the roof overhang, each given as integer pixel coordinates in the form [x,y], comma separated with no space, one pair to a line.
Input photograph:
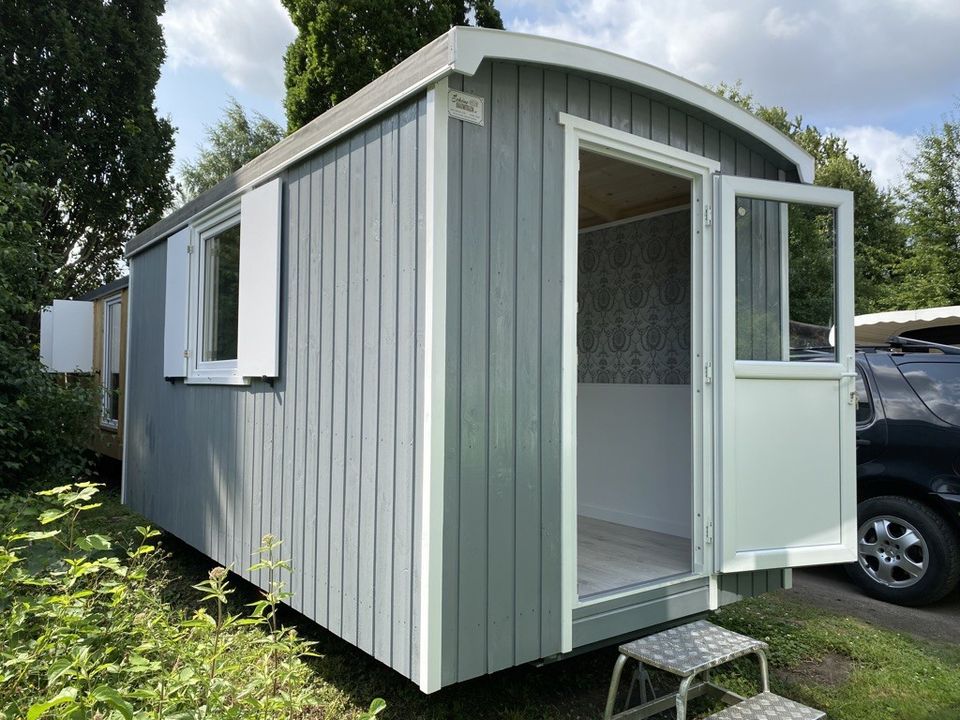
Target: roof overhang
[461,50]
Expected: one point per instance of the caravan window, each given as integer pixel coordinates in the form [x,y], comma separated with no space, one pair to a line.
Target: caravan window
[221,292]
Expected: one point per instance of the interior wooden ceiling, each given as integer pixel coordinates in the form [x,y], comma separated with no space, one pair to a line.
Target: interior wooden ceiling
[612,189]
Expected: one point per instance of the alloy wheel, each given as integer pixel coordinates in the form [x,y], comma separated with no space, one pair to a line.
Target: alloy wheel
[891,551]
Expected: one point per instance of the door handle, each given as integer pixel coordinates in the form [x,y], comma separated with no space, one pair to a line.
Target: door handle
[862,442]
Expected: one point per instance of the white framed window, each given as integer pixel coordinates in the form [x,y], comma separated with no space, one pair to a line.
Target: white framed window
[213,325]
[222,305]
[110,364]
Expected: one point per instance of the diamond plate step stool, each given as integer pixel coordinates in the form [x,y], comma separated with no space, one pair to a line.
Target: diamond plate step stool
[767,706]
[689,651]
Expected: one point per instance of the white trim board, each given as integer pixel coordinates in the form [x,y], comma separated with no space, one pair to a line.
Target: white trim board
[434,391]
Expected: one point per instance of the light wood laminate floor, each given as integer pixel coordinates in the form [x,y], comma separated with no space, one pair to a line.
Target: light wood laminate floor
[611,556]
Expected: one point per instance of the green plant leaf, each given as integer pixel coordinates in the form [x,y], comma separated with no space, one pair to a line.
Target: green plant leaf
[34,535]
[59,490]
[94,543]
[57,669]
[377,706]
[114,699]
[66,695]
[49,516]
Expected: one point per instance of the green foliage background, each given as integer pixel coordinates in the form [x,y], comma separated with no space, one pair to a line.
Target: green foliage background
[344,44]
[77,84]
[880,239]
[931,198]
[229,144]
[44,422]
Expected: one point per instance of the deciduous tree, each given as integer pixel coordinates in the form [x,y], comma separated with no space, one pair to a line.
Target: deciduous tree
[931,197]
[344,44]
[77,83]
[879,239]
[232,142]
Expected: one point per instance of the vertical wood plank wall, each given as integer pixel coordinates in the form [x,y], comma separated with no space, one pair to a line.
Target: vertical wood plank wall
[324,459]
[501,554]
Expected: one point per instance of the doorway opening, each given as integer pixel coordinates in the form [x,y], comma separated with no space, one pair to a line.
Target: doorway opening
[634,417]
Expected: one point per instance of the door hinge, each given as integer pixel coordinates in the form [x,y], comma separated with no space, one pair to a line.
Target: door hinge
[186,354]
[708,533]
[708,372]
[708,215]
[189,249]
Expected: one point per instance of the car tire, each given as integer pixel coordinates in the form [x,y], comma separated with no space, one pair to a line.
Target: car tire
[907,553]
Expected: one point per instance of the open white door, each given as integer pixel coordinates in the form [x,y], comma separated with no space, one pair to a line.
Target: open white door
[787,463]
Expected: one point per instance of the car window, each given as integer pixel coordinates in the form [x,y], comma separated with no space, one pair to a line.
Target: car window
[938,385]
[864,405]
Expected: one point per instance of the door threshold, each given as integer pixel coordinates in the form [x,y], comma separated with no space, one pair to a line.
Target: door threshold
[636,589]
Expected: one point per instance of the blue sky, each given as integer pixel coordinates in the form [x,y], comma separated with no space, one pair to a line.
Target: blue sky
[877,71]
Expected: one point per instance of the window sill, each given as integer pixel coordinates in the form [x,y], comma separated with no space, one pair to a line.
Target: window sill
[216,380]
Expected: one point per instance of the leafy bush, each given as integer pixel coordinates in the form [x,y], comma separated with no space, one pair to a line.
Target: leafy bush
[86,632]
[44,423]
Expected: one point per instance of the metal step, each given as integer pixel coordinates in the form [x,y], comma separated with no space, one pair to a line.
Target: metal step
[690,649]
[768,706]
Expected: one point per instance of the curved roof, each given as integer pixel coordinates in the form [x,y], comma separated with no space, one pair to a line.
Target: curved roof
[461,50]
[473,45]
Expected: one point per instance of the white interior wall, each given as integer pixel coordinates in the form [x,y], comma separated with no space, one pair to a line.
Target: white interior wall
[633,455]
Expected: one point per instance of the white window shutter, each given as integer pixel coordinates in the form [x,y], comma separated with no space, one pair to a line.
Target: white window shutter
[176,305]
[258,335]
[71,338]
[46,336]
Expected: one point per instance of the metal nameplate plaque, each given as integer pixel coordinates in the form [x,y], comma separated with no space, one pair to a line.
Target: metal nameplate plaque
[466,107]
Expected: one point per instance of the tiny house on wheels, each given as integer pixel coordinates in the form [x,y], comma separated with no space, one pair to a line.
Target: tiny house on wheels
[499,346]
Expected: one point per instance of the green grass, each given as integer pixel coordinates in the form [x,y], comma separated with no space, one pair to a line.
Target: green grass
[851,670]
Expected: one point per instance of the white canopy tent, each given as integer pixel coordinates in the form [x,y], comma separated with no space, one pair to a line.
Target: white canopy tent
[877,328]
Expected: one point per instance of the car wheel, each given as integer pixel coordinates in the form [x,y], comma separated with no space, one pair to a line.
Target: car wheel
[906,553]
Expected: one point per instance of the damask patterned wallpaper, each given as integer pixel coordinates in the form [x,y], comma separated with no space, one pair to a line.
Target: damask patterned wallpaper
[633,324]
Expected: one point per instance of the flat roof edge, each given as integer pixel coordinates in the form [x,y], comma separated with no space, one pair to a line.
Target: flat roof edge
[433,61]
[114,286]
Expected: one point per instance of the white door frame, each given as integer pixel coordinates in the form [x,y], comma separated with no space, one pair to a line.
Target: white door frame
[580,133]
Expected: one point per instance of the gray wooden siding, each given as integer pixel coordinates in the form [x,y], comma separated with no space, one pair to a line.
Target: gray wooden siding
[501,559]
[738,586]
[326,458]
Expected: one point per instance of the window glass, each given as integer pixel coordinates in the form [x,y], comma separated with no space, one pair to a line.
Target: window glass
[864,407]
[111,363]
[221,294]
[786,280]
[938,385]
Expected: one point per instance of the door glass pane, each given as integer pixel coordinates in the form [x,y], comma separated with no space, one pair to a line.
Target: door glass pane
[221,294]
[786,280]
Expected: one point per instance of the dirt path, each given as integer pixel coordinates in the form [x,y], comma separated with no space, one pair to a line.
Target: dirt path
[829,588]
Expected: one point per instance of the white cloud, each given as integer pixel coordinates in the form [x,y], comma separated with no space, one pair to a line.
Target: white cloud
[242,40]
[883,151]
[837,62]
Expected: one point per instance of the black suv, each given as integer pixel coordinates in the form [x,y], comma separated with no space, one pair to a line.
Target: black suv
[908,471]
